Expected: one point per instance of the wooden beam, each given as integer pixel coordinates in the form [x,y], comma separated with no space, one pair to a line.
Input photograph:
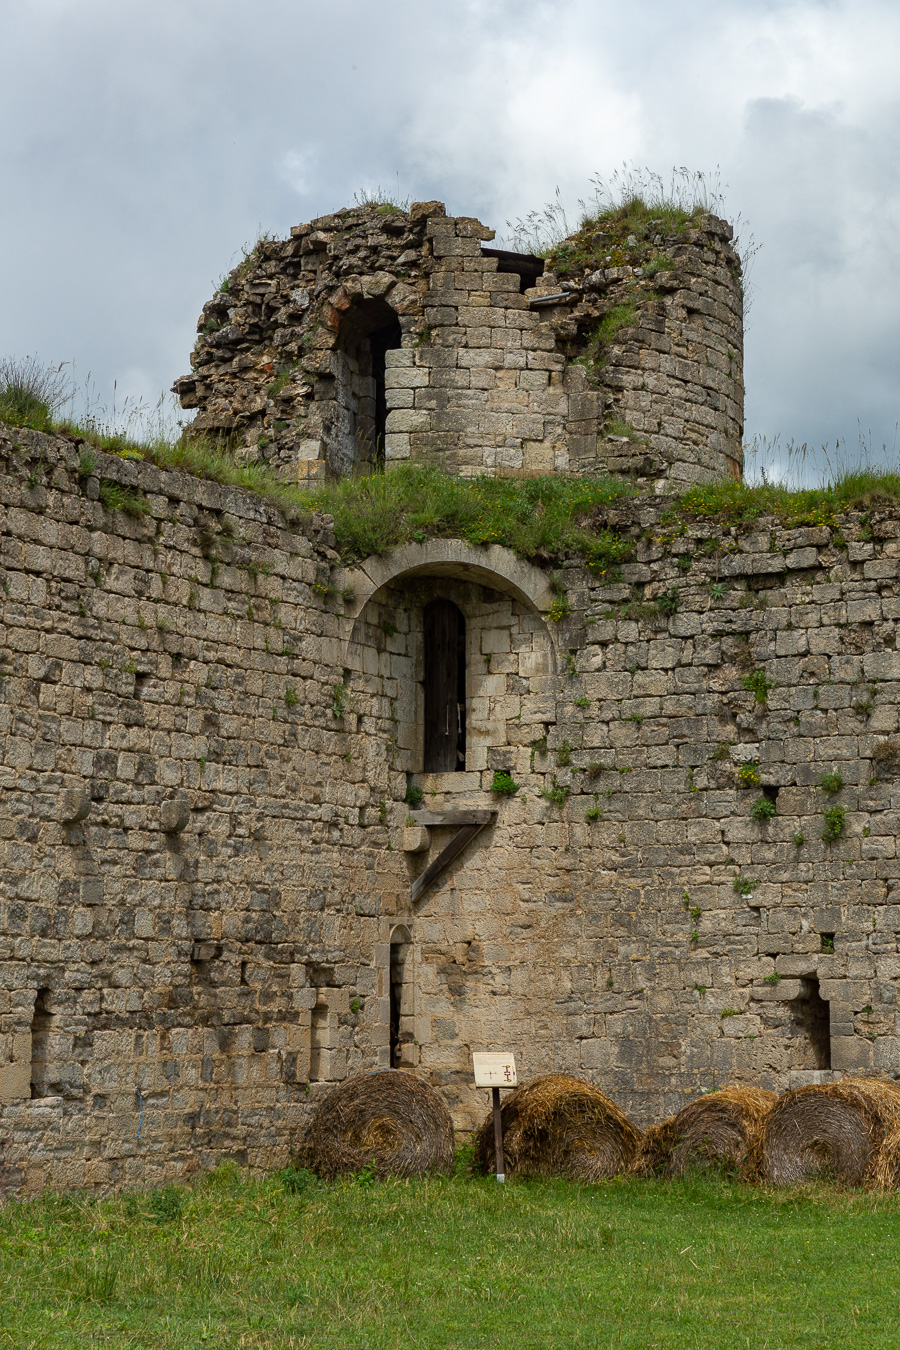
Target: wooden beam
[469,822]
[453,817]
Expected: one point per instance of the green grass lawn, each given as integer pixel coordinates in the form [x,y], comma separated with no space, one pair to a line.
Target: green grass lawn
[291,1262]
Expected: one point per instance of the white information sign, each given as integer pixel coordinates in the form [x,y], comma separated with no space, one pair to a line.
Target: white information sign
[494,1070]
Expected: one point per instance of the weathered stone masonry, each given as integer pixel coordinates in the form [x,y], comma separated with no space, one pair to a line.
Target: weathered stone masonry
[207,732]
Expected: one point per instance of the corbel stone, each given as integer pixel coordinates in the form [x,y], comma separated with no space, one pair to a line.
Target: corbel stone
[416,839]
[174,815]
[74,805]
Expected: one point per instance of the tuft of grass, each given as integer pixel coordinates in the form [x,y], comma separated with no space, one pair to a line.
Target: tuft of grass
[607,330]
[32,393]
[660,262]
[281,381]
[116,497]
[758,685]
[386,203]
[831,782]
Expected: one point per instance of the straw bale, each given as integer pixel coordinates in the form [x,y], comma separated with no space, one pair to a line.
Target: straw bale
[717,1130]
[390,1120]
[885,1170]
[832,1130]
[559,1126]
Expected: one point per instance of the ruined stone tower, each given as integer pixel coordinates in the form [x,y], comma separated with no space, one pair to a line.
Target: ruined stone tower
[380,335]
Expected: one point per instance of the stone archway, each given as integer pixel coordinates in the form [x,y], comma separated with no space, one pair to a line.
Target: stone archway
[496,567]
[501,604]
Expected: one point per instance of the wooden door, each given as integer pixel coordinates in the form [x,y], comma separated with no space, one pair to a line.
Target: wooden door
[445,687]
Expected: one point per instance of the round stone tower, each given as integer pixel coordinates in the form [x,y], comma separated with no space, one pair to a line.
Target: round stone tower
[375,336]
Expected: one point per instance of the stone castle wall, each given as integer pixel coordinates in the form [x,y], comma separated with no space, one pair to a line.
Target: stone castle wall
[207,730]
[481,366]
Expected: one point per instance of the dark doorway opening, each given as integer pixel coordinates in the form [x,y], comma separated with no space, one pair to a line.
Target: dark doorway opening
[812,1019]
[527,266]
[445,687]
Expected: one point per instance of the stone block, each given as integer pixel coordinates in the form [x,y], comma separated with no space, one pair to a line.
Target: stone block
[15,1083]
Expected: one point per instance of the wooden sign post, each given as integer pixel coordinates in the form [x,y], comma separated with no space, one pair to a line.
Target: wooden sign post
[496,1071]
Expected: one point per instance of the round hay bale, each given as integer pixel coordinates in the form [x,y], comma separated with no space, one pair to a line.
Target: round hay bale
[716,1131]
[389,1120]
[559,1126]
[885,1170]
[831,1131]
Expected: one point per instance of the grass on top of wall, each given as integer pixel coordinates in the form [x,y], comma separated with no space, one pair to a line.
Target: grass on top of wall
[544,519]
[290,1263]
[741,504]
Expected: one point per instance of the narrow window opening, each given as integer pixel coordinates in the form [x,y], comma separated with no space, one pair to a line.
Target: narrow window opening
[318,1045]
[827,942]
[381,341]
[770,794]
[444,630]
[41,1030]
[399,950]
[812,1019]
[243,972]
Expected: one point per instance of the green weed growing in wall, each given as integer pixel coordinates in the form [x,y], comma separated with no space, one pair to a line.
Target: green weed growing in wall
[835,823]
[558,793]
[758,685]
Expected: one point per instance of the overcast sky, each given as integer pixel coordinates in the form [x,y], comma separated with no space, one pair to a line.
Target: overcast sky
[143,143]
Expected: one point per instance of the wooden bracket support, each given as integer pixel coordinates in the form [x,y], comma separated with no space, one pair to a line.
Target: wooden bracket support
[468,822]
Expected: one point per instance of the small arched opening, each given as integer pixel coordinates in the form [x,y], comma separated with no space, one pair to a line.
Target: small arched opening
[444,633]
[369,329]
